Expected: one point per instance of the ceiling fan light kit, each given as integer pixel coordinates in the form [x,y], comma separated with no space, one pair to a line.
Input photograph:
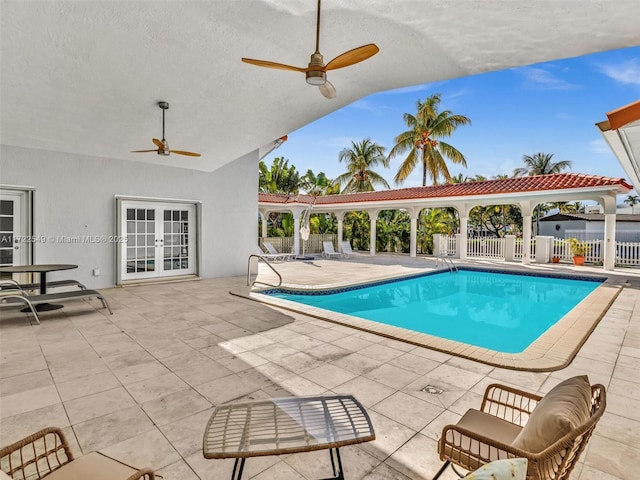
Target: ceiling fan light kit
[316,71]
[163,146]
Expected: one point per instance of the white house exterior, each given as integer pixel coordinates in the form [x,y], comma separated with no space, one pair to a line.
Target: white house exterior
[589,226]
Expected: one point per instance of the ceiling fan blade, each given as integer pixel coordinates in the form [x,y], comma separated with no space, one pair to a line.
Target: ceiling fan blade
[280,66]
[142,151]
[158,143]
[327,89]
[182,152]
[352,57]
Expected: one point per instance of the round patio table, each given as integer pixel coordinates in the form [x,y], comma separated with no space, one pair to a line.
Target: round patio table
[42,269]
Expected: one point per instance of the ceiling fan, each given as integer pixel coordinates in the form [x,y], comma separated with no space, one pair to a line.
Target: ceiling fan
[316,71]
[163,146]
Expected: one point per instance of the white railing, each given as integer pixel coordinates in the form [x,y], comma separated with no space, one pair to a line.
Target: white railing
[485,247]
[519,249]
[594,254]
[451,245]
[627,253]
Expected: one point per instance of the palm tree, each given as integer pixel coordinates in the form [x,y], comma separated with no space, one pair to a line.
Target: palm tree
[420,141]
[279,178]
[318,184]
[361,158]
[540,164]
[632,200]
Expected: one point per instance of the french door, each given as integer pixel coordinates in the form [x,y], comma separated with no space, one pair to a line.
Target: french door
[15,243]
[160,239]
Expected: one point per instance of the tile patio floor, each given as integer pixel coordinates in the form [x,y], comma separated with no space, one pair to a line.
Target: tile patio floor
[141,384]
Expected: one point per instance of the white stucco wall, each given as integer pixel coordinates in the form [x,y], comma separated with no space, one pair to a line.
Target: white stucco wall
[74,196]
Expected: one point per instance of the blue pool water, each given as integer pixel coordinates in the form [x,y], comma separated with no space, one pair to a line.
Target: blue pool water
[499,311]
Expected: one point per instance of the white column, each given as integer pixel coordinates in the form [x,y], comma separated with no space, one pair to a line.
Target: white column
[340,217]
[509,248]
[373,216]
[463,213]
[414,213]
[609,260]
[296,231]
[526,232]
[265,216]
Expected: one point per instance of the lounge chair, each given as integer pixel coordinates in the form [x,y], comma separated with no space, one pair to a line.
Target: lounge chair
[13,297]
[328,251]
[275,255]
[8,284]
[347,251]
[47,454]
[550,432]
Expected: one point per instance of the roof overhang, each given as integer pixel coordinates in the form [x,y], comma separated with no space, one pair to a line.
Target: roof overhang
[567,187]
[621,130]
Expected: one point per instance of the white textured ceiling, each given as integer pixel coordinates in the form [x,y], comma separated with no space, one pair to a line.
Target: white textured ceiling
[84,76]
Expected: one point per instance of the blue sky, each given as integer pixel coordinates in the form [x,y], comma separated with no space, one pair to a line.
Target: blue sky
[549,107]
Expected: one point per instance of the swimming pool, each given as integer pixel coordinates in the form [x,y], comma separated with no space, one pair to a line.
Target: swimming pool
[504,312]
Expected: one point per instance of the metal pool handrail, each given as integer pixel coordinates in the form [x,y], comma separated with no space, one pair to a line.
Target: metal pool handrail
[251,283]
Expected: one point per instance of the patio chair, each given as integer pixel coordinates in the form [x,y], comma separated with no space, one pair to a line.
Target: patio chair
[275,255]
[347,251]
[9,284]
[47,454]
[328,251]
[15,296]
[550,432]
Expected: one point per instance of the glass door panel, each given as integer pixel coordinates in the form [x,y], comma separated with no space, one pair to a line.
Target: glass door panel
[159,240]
[14,243]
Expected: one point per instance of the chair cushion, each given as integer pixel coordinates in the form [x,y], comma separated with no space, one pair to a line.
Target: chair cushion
[564,408]
[94,466]
[509,469]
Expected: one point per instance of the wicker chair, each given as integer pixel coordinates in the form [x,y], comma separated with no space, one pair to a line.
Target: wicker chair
[47,454]
[483,436]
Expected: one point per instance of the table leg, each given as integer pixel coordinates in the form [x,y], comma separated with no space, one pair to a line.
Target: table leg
[336,465]
[235,468]
[43,283]
[43,307]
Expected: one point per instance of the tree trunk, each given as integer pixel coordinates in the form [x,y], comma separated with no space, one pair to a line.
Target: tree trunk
[424,169]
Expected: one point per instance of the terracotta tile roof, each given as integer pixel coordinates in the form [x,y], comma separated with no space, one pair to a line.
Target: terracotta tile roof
[560,181]
[590,217]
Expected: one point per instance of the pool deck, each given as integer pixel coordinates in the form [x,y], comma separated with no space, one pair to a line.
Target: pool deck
[553,350]
[140,385]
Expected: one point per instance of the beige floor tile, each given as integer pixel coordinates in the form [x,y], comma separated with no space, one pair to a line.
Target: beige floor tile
[98,404]
[410,411]
[417,459]
[149,449]
[101,432]
[25,382]
[281,471]
[366,391]
[611,457]
[590,473]
[299,362]
[225,389]
[423,388]
[328,376]
[384,472]
[186,434]
[434,429]
[392,376]
[356,363]
[172,407]
[619,428]
[88,385]
[28,400]
[624,406]
[217,469]
[380,352]
[20,367]
[156,387]
[141,371]
[390,435]
[414,363]
[22,425]
[73,371]
[128,359]
[446,373]
[298,385]
[179,470]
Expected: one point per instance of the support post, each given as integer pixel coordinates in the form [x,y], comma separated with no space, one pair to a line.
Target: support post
[463,212]
[609,260]
[373,217]
[414,213]
[527,218]
[340,217]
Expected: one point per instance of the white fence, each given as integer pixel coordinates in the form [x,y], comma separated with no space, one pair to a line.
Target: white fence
[485,247]
[627,253]
[594,253]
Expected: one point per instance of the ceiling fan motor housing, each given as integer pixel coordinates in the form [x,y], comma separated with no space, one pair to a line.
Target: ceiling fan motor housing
[315,73]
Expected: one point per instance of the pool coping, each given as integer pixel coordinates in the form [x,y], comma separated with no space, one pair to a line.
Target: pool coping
[553,350]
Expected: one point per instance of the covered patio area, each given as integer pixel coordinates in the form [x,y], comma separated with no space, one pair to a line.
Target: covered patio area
[141,384]
[525,192]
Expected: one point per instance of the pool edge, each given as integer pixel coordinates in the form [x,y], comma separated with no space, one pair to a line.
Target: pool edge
[553,350]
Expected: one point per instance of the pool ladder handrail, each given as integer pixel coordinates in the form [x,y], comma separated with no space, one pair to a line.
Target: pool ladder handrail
[251,283]
[448,262]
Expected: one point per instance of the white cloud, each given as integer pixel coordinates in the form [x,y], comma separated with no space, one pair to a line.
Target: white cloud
[625,73]
[411,89]
[540,78]
[599,146]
